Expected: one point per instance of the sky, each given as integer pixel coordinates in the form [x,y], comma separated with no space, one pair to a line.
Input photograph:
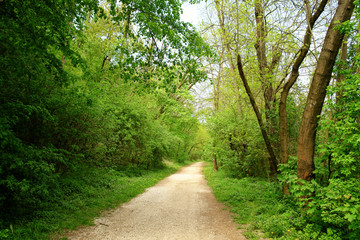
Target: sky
[201,91]
[191,13]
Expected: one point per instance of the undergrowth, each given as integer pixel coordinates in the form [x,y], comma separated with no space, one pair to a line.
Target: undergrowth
[257,204]
[82,196]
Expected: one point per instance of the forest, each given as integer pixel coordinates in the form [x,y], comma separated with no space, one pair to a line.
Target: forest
[98,94]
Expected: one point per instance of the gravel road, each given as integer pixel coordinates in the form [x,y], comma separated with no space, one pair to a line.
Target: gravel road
[182,206]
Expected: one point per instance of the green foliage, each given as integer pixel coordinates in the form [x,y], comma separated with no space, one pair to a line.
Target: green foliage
[81,195]
[328,206]
[27,174]
[85,83]
[331,209]
[256,204]
[334,199]
[338,202]
[237,144]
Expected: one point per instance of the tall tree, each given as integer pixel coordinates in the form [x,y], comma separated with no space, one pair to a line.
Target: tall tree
[317,92]
[302,53]
[259,18]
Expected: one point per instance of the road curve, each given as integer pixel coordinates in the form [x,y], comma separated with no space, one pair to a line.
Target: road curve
[182,206]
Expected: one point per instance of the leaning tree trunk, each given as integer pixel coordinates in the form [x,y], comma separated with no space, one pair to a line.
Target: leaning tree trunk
[317,92]
[272,159]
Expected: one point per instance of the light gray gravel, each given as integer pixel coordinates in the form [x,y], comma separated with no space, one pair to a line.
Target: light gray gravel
[182,206]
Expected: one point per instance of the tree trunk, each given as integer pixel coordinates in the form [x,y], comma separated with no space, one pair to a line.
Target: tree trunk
[272,159]
[292,79]
[215,163]
[343,57]
[260,44]
[266,69]
[217,99]
[317,92]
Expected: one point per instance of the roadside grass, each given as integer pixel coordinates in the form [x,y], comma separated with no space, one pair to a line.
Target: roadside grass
[257,205]
[84,195]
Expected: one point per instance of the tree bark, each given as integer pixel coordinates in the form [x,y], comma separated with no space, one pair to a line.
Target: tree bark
[343,57]
[260,44]
[292,79]
[217,98]
[215,163]
[317,92]
[272,159]
[266,69]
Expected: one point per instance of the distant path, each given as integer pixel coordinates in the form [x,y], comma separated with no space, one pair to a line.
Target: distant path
[181,206]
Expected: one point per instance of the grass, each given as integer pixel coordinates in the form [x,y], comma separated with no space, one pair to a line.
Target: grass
[84,196]
[256,204]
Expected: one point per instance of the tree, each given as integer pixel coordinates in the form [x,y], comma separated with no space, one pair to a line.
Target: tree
[317,92]
[272,162]
[81,83]
[268,48]
[290,82]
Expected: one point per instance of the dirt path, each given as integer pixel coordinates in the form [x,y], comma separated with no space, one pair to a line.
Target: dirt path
[181,206]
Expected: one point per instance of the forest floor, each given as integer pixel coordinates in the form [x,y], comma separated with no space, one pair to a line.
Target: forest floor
[182,206]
